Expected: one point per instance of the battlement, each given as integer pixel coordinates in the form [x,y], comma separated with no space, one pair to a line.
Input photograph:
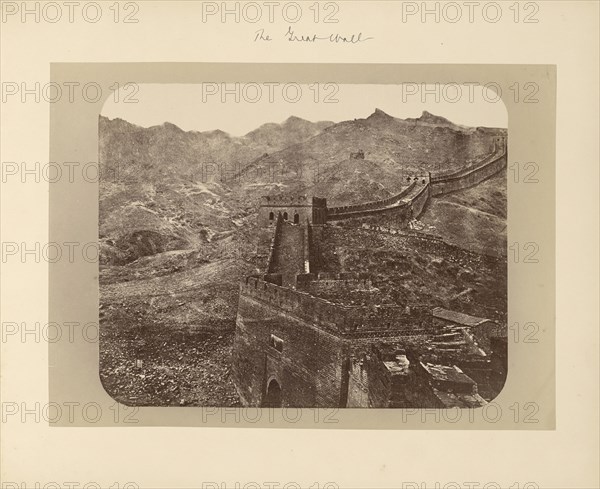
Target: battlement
[337,318]
[319,312]
[332,285]
[297,209]
[334,212]
[309,277]
[476,167]
[467,177]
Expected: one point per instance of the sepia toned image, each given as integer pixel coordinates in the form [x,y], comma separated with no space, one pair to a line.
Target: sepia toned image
[349,256]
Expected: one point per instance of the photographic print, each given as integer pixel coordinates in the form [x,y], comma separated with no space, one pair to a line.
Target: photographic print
[298,232]
[314,261]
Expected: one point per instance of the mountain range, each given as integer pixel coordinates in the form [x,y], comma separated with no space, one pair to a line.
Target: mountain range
[163,188]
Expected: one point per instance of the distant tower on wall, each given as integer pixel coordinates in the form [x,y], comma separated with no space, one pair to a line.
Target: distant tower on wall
[500,143]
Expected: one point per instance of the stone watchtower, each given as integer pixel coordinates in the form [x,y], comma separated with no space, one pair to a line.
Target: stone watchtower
[300,210]
[500,143]
[294,209]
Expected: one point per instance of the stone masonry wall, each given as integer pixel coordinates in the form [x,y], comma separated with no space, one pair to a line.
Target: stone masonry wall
[469,177]
[367,206]
[309,368]
[351,321]
[396,211]
[313,367]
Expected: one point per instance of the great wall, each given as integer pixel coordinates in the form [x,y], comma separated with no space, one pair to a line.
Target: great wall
[298,343]
[411,201]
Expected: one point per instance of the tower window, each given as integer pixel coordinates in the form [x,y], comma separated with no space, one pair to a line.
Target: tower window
[276,343]
[285,216]
[271,216]
[296,219]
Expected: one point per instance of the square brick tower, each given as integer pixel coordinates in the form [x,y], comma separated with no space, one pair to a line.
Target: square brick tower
[299,210]
[295,209]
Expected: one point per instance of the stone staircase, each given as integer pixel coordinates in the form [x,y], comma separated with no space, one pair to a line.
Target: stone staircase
[452,339]
[288,257]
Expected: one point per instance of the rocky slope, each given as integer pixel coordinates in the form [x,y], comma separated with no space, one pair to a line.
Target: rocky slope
[474,219]
[164,189]
[392,147]
[408,269]
[161,187]
[292,131]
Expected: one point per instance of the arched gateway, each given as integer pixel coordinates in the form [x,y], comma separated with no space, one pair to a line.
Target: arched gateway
[273,396]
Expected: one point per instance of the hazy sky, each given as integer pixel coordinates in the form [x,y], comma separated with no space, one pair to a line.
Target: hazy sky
[240,108]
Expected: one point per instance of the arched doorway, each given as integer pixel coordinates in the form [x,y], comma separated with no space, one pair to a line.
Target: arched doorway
[296,219]
[273,397]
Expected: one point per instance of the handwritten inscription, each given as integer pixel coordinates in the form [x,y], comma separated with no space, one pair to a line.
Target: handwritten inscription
[292,36]
[261,36]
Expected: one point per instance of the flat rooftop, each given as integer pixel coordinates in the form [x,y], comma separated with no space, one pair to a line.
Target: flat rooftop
[446,373]
[400,365]
[451,400]
[458,317]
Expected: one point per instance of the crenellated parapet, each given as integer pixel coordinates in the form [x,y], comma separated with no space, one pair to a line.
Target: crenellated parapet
[407,204]
[344,320]
[323,283]
[296,209]
[313,310]
[473,175]
[340,212]
[410,202]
